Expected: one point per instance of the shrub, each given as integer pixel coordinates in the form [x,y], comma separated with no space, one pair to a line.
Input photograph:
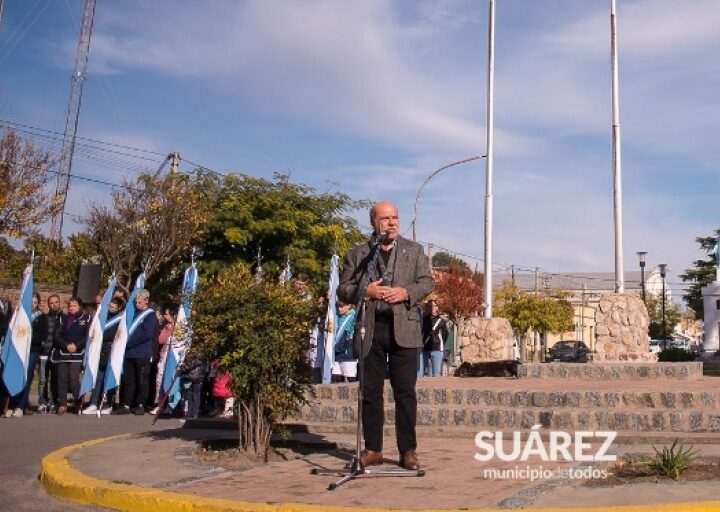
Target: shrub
[260,329]
[675,354]
[671,463]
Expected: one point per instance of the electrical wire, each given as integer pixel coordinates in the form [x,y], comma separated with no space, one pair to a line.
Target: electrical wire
[22,36]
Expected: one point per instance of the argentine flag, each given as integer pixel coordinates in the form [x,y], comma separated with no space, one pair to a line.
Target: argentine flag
[117,352]
[331,321]
[286,273]
[95,341]
[16,349]
[179,342]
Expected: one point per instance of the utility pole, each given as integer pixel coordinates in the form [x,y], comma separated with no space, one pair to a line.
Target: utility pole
[512,274]
[536,279]
[430,248]
[71,122]
[174,161]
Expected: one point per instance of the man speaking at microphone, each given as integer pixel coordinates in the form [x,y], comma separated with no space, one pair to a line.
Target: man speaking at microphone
[392,329]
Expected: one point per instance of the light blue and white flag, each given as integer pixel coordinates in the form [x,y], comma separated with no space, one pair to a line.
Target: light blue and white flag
[16,349]
[93,348]
[330,321]
[180,338]
[125,328]
[286,274]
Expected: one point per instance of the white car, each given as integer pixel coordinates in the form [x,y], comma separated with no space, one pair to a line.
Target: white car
[656,346]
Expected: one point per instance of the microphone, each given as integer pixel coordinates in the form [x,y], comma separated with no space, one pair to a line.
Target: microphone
[382,237]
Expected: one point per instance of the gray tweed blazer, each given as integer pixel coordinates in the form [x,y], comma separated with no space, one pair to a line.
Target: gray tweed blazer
[412,272]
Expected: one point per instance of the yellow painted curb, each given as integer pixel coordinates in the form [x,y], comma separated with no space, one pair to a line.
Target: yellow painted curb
[65,482]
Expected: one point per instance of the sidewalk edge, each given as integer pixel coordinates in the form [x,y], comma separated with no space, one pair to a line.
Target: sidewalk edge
[63,481]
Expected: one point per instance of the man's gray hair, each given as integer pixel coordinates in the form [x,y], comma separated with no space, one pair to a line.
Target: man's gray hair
[143,293]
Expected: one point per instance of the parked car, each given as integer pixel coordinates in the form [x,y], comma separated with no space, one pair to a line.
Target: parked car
[569,351]
[655,346]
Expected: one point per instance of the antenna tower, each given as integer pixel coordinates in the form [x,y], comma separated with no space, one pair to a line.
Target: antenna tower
[71,124]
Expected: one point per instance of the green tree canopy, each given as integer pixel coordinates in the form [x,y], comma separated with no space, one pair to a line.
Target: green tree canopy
[544,313]
[285,219]
[52,266]
[444,260]
[701,275]
[672,316]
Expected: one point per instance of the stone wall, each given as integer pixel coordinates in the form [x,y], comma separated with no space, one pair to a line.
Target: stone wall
[485,339]
[622,330]
[10,290]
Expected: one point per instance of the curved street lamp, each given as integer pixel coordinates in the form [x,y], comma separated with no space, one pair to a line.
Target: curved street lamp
[422,186]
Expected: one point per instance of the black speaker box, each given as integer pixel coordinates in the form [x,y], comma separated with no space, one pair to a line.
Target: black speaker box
[87,286]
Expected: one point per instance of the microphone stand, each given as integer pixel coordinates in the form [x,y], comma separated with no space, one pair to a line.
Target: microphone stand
[356,468]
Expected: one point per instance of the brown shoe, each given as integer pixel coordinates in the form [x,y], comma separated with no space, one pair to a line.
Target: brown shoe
[409,460]
[370,458]
[62,409]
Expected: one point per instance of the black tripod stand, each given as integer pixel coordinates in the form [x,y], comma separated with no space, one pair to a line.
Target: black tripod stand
[356,468]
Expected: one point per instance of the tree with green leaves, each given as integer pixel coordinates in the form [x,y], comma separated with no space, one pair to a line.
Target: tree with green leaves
[672,316]
[53,265]
[24,173]
[61,266]
[545,313]
[701,275]
[444,260]
[286,220]
[260,330]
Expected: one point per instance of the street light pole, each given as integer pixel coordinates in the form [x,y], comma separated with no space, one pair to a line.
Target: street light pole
[663,268]
[425,182]
[641,256]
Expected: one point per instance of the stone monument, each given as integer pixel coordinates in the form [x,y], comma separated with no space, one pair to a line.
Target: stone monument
[485,339]
[622,330]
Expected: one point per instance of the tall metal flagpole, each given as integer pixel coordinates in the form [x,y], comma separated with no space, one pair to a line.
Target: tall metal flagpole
[617,166]
[489,161]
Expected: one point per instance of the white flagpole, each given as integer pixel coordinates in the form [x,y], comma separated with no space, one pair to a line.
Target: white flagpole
[489,161]
[617,165]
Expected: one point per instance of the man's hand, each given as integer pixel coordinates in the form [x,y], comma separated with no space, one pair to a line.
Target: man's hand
[71,348]
[376,290]
[396,295]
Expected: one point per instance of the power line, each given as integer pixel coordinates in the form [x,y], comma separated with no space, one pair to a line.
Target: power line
[56,136]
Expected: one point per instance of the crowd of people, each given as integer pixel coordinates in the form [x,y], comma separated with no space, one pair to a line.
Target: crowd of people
[57,350]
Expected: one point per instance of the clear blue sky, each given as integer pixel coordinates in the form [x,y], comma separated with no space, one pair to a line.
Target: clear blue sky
[370,97]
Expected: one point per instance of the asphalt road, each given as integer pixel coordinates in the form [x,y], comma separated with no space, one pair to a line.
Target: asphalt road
[25,441]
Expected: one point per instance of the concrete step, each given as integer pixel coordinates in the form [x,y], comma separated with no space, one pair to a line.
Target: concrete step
[630,400]
[462,432]
[612,371]
[499,418]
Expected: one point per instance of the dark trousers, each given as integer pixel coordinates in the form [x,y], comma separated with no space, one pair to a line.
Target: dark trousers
[24,398]
[403,367]
[193,395]
[68,379]
[136,381]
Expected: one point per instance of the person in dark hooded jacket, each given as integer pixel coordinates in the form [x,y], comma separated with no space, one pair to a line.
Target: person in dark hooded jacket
[71,334]
[193,370]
